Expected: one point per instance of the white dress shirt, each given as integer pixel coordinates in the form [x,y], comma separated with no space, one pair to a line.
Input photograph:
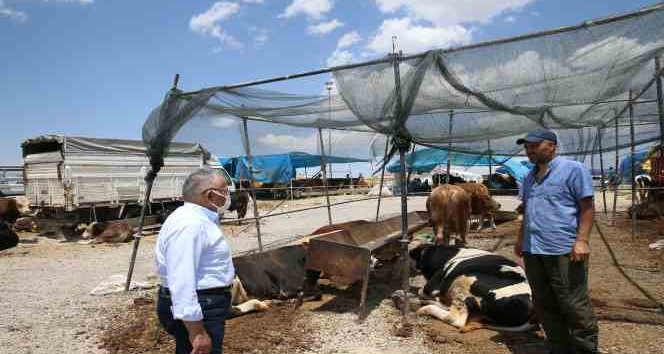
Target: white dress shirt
[192,253]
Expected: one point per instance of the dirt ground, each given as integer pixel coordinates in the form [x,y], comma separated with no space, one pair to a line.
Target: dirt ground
[626,286]
[46,305]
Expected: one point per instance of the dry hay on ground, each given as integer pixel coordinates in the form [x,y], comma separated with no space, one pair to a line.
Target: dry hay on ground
[136,329]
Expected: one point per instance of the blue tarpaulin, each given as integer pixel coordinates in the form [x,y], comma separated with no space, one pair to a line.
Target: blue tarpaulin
[516,169]
[277,168]
[425,160]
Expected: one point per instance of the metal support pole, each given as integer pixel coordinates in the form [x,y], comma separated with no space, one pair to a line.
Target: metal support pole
[488,145]
[149,180]
[632,167]
[247,150]
[322,170]
[410,167]
[405,266]
[382,177]
[617,177]
[660,101]
[601,169]
[449,148]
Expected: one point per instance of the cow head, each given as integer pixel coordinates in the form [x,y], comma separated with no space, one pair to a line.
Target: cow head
[430,258]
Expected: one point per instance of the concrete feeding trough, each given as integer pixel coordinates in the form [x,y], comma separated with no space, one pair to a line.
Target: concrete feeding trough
[346,254]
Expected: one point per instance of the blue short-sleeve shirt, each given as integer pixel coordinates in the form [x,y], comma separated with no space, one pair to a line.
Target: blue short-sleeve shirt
[551,217]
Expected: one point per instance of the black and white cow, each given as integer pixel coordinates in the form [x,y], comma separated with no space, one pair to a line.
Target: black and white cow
[475,288]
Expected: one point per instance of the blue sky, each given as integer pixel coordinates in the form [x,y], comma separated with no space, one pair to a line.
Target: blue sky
[97,67]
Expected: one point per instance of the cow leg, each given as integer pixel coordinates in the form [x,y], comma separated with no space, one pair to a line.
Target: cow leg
[492,221]
[249,306]
[456,316]
[474,323]
[480,222]
[238,294]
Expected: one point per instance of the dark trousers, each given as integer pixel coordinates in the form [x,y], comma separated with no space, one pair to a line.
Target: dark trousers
[562,304]
[216,308]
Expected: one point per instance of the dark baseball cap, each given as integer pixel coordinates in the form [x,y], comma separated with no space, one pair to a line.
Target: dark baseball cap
[536,136]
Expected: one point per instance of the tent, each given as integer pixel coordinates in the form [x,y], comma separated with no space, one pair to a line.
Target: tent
[277,168]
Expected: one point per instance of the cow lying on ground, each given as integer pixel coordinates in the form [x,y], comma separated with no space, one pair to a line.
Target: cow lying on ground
[110,232]
[8,238]
[449,211]
[239,202]
[474,286]
[28,223]
[481,203]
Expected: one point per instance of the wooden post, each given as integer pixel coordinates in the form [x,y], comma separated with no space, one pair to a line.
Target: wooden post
[322,170]
[632,167]
[247,150]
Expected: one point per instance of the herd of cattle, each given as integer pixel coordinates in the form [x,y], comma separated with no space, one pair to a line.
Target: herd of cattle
[467,288]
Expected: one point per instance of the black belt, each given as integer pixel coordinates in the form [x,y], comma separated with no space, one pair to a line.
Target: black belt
[210,291]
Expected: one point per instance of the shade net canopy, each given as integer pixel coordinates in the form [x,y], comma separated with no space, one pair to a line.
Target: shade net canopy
[576,80]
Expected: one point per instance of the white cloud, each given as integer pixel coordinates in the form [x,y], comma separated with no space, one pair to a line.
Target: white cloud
[451,12]
[348,39]
[259,35]
[222,122]
[325,27]
[208,22]
[289,142]
[314,9]
[6,11]
[415,38]
[254,1]
[340,57]
[510,19]
[344,143]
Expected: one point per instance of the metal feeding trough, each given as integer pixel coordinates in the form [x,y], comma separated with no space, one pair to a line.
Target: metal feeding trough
[346,254]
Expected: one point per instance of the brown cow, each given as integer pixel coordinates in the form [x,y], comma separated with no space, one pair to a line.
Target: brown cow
[110,232]
[481,203]
[449,211]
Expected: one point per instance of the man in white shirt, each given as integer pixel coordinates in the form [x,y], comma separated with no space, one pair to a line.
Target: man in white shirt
[195,265]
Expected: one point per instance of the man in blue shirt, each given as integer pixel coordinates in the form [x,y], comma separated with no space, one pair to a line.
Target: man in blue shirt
[194,262]
[557,196]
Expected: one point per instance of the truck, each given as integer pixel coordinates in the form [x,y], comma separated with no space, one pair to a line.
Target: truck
[99,178]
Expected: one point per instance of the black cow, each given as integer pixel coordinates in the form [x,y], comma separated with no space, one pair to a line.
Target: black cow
[474,284]
[8,238]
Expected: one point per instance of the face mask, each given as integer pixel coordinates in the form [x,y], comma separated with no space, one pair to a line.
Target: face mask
[227,204]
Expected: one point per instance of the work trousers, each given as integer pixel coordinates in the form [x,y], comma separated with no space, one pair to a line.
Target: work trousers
[562,304]
[216,308]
